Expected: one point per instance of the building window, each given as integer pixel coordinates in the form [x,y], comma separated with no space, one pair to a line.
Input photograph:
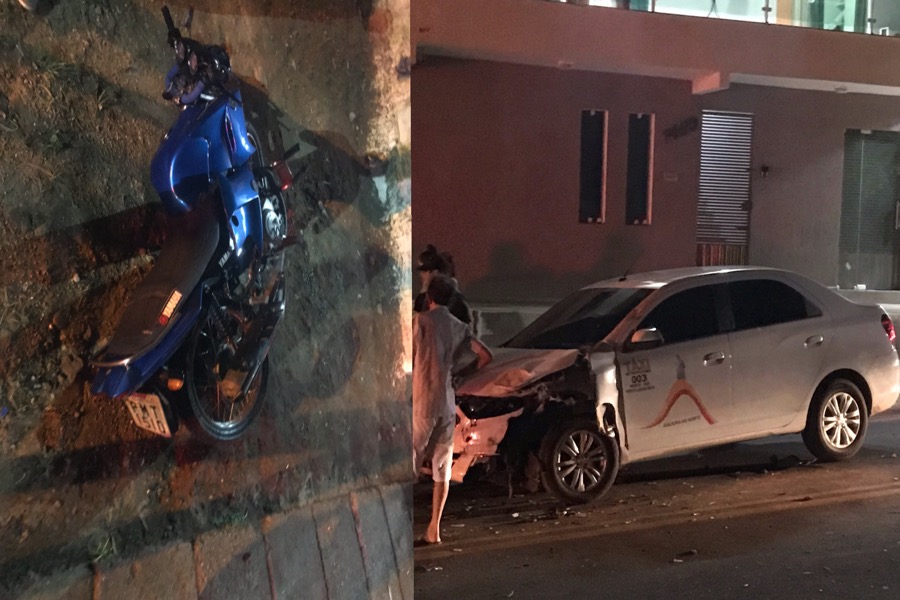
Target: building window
[639,187]
[592,202]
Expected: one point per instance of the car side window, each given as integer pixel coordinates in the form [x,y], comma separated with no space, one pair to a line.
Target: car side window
[762,302]
[687,315]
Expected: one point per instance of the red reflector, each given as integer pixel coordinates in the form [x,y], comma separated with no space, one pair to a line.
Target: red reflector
[163,320]
[888,327]
[283,173]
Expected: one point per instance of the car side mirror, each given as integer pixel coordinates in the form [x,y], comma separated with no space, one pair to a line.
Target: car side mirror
[644,339]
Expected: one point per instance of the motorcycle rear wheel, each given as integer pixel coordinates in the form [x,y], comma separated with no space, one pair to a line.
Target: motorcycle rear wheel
[211,415]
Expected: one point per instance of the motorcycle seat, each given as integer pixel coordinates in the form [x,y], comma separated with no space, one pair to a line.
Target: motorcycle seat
[154,305]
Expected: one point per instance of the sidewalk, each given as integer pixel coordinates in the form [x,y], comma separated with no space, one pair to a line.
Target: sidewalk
[352,547]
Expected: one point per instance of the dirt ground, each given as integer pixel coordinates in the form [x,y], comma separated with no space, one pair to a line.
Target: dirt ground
[80,118]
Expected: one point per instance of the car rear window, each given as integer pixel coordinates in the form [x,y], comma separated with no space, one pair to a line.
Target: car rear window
[580,319]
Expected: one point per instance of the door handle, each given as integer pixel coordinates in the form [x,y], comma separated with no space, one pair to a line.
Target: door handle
[814,340]
[714,357]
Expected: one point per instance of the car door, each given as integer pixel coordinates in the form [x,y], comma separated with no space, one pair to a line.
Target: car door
[778,346]
[678,394]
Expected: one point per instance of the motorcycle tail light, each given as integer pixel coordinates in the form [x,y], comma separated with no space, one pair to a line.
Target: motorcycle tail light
[174,384]
[284,175]
[888,327]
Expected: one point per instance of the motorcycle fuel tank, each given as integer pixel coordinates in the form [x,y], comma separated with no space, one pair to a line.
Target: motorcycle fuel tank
[207,139]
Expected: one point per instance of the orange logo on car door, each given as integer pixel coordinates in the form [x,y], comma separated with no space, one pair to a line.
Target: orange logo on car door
[680,388]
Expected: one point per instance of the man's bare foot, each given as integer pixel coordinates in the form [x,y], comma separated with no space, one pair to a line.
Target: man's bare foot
[432,535]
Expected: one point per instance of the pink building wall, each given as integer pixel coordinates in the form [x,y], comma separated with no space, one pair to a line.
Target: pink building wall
[496,175]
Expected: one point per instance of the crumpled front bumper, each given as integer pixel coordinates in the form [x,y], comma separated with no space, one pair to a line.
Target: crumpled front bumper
[474,439]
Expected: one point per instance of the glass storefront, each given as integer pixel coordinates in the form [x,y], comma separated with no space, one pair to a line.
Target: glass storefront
[861,16]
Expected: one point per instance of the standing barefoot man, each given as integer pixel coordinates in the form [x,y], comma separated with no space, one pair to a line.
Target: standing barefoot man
[438,336]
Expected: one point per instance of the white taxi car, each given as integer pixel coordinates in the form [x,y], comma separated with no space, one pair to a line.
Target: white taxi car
[666,362]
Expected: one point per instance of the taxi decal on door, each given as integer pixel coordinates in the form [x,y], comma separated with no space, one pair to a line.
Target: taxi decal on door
[637,375]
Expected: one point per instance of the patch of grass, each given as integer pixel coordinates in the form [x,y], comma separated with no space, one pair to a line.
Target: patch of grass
[51,176]
[53,142]
[52,68]
[228,518]
[106,97]
[103,549]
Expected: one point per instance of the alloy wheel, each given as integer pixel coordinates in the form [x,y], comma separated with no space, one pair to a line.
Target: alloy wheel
[581,461]
[841,420]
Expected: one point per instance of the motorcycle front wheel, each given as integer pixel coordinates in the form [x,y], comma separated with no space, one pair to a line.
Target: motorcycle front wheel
[213,415]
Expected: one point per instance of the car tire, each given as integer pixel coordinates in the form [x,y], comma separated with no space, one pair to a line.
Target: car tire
[578,462]
[837,422]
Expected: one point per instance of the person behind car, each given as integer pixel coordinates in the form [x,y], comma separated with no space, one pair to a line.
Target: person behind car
[438,337]
[431,263]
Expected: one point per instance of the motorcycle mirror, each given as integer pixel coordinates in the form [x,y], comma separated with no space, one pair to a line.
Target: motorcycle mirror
[189,20]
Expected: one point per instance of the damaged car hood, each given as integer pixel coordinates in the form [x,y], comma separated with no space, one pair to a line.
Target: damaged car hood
[513,369]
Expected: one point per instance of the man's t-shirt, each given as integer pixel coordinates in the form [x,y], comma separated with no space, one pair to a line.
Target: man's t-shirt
[457,306]
[437,337]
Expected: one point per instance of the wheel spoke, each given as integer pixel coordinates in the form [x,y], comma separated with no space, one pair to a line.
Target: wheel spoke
[849,433]
[835,435]
[218,404]
[850,405]
[594,475]
[587,442]
[595,454]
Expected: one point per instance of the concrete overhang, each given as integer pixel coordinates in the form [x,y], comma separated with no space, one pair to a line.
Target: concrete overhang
[711,53]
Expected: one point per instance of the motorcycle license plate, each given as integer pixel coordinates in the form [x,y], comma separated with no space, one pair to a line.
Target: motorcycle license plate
[147,412]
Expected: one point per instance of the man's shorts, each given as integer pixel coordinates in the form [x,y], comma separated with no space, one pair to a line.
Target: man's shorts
[433,438]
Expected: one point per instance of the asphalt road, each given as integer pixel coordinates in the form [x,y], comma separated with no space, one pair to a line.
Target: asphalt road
[754,520]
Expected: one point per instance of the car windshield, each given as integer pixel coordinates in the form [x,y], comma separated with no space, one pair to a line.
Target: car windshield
[580,319]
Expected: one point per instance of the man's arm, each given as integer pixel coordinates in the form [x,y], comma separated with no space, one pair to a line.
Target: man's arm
[482,351]
[416,337]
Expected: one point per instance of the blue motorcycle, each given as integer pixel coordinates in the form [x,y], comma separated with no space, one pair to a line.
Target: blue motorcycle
[193,340]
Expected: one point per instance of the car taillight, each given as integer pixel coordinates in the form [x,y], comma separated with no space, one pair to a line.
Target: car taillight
[888,327]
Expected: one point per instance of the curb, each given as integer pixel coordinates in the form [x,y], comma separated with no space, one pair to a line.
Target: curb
[350,547]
